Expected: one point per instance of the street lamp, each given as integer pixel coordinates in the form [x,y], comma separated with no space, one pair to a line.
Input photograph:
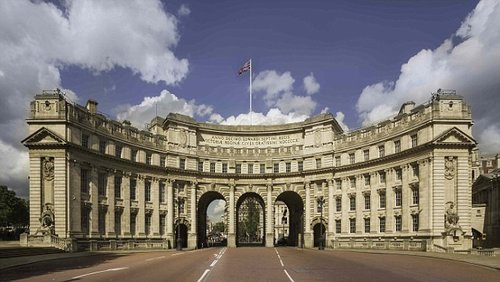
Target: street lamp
[283,218]
[180,203]
[320,200]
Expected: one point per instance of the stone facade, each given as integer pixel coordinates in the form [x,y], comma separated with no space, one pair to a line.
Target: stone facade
[486,199]
[407,178]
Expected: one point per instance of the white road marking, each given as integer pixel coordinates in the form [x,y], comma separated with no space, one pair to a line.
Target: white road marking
[97,272]
[291,280]
[212,265]
[279,257]
[155,258]
[203,276]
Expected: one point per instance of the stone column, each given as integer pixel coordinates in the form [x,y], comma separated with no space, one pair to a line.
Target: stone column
[331,219]
[125,218]
[406,200]
[269,217]
[192,232]
[140,220]
[75,204]
[170,212]
[94,198]
[308,236]
[110,217]
[155,217]
[231,238]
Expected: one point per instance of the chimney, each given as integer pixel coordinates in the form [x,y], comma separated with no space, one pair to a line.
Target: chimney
[91,106]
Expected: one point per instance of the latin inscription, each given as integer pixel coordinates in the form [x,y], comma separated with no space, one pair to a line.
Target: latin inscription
[258,141]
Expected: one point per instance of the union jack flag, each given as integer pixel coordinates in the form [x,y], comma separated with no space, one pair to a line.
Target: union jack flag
[246,67]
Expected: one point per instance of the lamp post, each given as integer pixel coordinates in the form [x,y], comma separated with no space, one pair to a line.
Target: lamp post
[180,203]
[320,200]
[283,218]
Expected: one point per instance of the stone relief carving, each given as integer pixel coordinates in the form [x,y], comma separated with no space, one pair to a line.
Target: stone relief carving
[48,168]
[449,168]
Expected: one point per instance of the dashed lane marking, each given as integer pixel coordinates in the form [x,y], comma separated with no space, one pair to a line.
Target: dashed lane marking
[155,258]
[204,274]
[283,265]
[97,272]
[288,275]
[212,265]
[279,257]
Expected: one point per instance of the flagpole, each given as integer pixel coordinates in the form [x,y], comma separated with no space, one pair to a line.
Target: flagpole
[250,91]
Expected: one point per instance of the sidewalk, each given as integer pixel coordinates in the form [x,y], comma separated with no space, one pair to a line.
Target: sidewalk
[18,261]
[29,259]
[491,262]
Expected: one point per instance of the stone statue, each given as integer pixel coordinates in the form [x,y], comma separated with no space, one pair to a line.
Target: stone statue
[451,221]
[451,215]
[46,221]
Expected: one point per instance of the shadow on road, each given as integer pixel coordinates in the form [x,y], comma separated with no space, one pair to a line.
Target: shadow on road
[56,265]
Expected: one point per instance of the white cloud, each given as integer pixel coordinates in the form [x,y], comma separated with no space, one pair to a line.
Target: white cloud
[14,173]
[164,104]
[311,85]
[298,104]
[467,62]
[339,116]
[273,84]
[38,39]
[273,116]
[216,210]
[183,10]
[278,89]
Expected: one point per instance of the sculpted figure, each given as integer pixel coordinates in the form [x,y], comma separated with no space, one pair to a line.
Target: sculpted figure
[46,221]
[449,168]
[48,168]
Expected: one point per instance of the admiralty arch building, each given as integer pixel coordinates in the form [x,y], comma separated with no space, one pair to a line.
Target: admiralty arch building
[403,183]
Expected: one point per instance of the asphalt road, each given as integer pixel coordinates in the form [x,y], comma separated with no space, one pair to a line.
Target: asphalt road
[250,264]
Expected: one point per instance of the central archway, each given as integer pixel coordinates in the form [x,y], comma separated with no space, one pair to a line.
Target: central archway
[250,223]
[203,203]
[295,218]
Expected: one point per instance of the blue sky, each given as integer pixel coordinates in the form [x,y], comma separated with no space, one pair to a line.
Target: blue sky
[359,60]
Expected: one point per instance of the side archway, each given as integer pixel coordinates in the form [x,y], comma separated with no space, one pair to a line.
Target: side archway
[319,229]
[294,218]
[203,203]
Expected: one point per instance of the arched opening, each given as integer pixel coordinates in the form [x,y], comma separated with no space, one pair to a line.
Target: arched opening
[250,223]
[319,230]
[182,229]
[289,231]
[211,229]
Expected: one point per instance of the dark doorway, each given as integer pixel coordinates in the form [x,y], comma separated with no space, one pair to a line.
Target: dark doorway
[181,229]
[293,218]
[204,239]
[250,223]
[319,229]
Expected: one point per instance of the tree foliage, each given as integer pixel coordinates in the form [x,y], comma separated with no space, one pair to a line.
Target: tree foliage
[14,211]
[218,227]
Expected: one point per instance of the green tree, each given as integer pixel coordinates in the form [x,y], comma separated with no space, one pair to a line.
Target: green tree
[218,227]
[13,210]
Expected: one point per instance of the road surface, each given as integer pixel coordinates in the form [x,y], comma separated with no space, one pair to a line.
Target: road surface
[250,264]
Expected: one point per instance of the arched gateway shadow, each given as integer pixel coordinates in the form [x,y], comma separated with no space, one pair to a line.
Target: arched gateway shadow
[203,204]
[295,207]
[250,223]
